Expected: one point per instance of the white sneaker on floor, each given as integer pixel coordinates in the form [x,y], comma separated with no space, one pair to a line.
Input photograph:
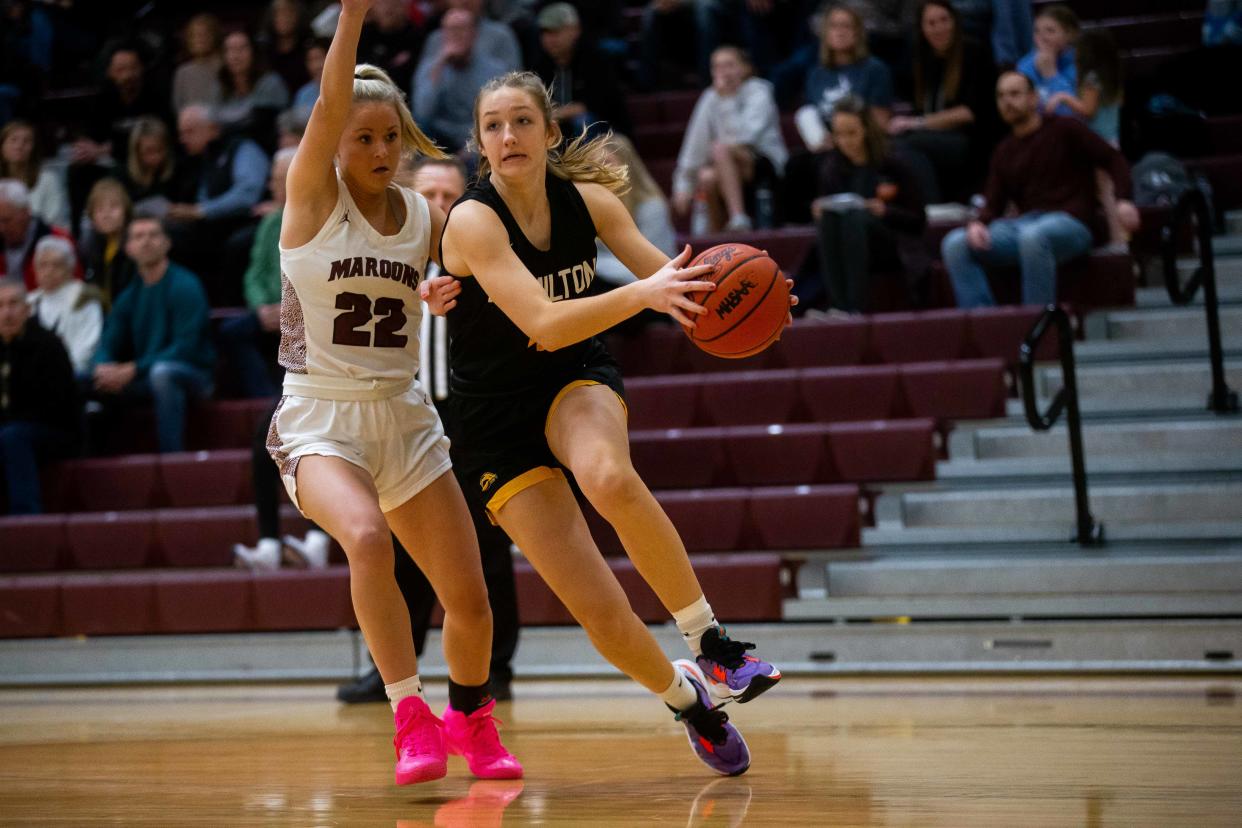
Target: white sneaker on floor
[313,549]
[262,558]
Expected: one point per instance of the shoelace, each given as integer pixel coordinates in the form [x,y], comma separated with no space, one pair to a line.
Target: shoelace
[414,736]
[708,721]
[726,651]
[483,732]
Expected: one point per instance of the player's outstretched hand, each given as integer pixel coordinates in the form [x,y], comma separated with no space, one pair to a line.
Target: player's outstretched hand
[440,294]
[667,290]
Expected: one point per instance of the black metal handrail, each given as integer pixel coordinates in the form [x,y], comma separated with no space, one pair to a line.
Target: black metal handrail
[1089,533]
[1221,398]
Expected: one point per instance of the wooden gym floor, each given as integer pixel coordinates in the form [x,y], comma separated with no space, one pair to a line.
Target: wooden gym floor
[909,752]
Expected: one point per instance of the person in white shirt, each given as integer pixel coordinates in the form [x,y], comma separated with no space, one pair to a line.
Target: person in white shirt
[734,123]
[68,308]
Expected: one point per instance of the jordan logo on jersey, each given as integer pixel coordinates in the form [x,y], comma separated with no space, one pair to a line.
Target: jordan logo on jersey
[487,480]
[376,268]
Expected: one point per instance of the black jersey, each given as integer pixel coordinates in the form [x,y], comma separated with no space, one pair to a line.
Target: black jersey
[488,354]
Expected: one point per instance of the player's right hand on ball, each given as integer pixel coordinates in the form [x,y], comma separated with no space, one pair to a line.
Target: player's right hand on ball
[667,290]
[440,294]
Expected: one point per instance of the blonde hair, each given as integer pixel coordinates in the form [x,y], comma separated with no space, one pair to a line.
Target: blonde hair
[103,188]
[582,159]
[373,85]
[643,186]
[149,128]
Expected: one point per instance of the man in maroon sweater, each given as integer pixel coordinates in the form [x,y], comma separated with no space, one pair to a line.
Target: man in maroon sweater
[1046,169]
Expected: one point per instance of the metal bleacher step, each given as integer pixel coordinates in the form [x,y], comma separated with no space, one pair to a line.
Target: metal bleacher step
[1228,267]
[1186,323]
[1138,386]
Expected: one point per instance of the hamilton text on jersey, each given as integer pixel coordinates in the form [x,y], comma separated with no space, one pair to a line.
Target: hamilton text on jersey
[569,282]
[378,268]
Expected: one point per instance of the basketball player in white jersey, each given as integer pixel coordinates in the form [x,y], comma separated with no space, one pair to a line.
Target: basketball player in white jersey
[359,446]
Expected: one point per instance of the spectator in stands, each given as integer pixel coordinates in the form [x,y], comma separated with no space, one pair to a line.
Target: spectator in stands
[231,175]
[127,95]
[584,89]
[1222,23]
[286,30]
[107,267]
[38,409]
[1051,64]
[21,158]
[888,24]
[251,95]
[666,26]
[71,309]
[870,215]
[1045,170]
[249,342]
[20,230]
[845,68]
[197,79]
[492,37]
[26,37]
[316,54]
[452,71]
[150,170]
[156,343]
[952,97]
[390,40]
[645,201]
[734,127]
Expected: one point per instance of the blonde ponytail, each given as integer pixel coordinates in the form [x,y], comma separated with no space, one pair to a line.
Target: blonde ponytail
[373,85]
[583,159]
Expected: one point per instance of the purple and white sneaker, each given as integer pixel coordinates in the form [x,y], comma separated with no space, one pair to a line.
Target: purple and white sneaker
[716,742]
[731,674]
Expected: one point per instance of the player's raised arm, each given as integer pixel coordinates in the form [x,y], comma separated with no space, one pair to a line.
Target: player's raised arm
[312,178]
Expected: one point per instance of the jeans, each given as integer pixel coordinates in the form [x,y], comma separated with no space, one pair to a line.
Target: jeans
[22,444]
[244,343]
[1035,242]
[169,385]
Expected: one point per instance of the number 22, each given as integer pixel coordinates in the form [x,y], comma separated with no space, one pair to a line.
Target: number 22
[357,313]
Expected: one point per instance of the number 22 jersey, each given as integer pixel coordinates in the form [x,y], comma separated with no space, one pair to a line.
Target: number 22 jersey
[350,310]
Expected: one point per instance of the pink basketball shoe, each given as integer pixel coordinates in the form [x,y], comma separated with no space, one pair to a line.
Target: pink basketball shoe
[421,754]
[475,737]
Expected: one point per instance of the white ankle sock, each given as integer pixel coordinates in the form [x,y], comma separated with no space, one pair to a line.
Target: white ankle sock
[693,621]
[680,694]
[403,690]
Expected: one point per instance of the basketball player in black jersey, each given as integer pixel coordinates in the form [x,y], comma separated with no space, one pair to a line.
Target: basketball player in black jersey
[535,393]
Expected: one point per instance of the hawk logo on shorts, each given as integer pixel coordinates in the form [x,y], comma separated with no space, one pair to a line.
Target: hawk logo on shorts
[486,481]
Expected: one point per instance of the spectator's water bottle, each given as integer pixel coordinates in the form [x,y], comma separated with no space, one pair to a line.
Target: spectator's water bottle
[700,223]
[765,208]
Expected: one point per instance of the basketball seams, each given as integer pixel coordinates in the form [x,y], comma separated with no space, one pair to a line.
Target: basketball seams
[756,305]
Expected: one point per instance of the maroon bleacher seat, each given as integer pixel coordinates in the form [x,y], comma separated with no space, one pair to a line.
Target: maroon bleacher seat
[204,537]
[104,484]
[32,543]
[108,604]
[746,587]
[883,450]
[788,246]
[207,478]
[809,343]
[806,517]
[659,140]
[962,390]
[662,402]
[667,459]
[1225,173]
[656,349]
[749,397]
[538,605]
[308,599]
[999,332]
[1148,31]
[865,392]
[224,424]
[708,520]
[918,336]
[774,455]
[56,486]
[111,540]
[697,361]
[30,606]
[202,602]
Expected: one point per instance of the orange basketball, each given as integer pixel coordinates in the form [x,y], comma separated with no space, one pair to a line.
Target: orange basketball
[746,312]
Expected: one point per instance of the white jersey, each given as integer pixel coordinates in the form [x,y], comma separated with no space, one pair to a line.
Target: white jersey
[350,312]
